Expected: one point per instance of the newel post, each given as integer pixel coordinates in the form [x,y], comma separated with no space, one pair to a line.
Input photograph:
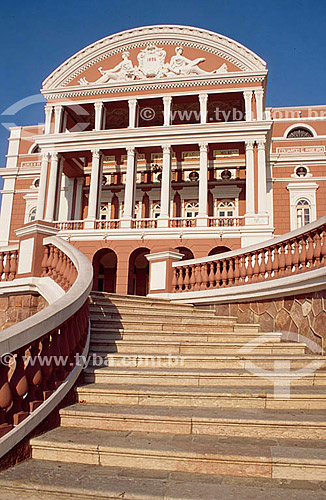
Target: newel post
[31,250]
[161,271]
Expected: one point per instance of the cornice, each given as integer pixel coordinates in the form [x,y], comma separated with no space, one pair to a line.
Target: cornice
[188,36]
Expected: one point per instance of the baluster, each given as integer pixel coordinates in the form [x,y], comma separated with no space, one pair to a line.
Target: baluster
[281,261]
[310,252]
[317,251]
[250,269]
[65,271]
[295,256]
[59,279]
[288,259]
[269,263]
[303,254]
[192,277]
[13,265]
[262,267]
[236,270]
[204,276]
[34,377]
[5,399]
[243,269]
[180,279]
[175,280]
[47,367]
[255,268]
[55,263]
[1,265]
[19,387]
[230,271]
[187,278]
[7,266]
[224,272]
[323,248]
[44,263]
[275,263]
[197,277]
[50,261]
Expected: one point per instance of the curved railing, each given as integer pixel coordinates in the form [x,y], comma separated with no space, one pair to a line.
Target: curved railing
[293,253]
[40,356]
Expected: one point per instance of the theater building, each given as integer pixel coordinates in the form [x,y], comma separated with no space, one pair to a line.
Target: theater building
[159,138]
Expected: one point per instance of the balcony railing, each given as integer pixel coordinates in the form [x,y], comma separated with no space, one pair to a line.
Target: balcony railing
[147,223]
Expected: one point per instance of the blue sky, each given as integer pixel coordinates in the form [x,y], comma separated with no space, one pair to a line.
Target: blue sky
[37,35]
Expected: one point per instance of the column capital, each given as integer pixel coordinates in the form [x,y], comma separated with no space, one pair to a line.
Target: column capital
[247,94]
[132,102]
[98,104]
[45,156]
[167,99]
[55,156]
[249,144]
[203,147]
[131,150]
[166,148]
[259,92]
[48,108]
[261,143]
[203,97]
[58,107]
[96,153]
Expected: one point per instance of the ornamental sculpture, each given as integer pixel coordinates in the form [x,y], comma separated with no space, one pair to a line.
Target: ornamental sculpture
[151,64]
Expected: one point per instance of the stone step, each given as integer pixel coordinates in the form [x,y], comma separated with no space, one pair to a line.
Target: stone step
[254,363]
[98,333]
[274,424]
[185,325]
[262,397]
[169,347]
[103,298]
[162,317]
[49,480]
[175,310]
[282,458]
[194,377]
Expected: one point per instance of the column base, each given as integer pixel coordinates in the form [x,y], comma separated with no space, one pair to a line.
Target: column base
[201,221]
[162,222]
[89,224]
[125,223]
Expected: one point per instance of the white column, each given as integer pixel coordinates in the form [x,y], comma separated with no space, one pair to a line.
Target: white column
[96,175]
[247,94]
[203,98]
[250,178]
[52,187]
[58,110]
[130,188]
[203,185]
[99,106]
[163,219]
[259,95]
[79,198]
[262,185]
[42,186]
[132,103]
[167,102]
[48,118]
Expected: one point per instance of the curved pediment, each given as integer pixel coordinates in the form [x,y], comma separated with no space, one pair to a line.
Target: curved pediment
[154,53]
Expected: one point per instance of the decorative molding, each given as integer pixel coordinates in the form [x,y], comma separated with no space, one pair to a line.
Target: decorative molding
[211,42]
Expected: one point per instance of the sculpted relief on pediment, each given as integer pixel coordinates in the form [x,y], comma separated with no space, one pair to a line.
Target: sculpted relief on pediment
[152,64]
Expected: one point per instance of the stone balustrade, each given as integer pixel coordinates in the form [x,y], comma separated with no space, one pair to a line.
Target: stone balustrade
[297,252]
[8,263]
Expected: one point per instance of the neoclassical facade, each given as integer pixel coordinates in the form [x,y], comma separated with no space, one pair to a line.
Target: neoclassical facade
[159,138]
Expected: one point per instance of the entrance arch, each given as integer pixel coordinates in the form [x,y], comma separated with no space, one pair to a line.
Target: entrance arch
[187,254]
[138,276]
[220,249]
[105,270]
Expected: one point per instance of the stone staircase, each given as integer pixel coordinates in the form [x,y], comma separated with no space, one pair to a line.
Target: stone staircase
[174,406]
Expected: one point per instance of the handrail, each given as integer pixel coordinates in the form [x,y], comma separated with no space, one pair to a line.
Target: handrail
[298,251]
[33,377]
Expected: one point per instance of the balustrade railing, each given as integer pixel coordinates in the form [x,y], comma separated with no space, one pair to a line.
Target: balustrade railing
[39,356]
[300,251]
[8,263]
[144,223]
[225,221]
[107,224]
[182,222]
[71,225]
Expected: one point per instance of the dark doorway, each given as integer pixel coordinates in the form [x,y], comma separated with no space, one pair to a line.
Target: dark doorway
[138,272]
[105,271]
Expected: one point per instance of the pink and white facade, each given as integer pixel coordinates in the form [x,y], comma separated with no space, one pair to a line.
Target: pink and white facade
[159,138]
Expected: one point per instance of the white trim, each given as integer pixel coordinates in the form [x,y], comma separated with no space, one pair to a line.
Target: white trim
[298,191]
[299,125]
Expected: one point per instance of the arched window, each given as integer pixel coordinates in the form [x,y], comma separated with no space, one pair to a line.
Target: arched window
[32,214]
[35,149]
[191,209]
[303,213]
[156,210]
[226,208]
[299,132]
[104,212]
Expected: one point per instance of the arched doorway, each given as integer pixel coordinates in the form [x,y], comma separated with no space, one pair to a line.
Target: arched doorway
[105,270]
[138,276]
[220,249]
[187,254]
